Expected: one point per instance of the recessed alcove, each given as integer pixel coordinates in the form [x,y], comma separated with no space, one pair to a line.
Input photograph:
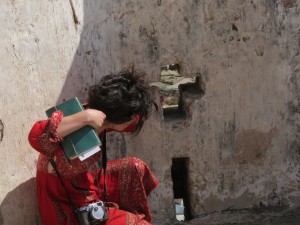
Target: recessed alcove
[177,92]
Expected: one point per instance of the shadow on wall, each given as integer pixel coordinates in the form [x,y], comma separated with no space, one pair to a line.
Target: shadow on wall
[94,56]
[20,205]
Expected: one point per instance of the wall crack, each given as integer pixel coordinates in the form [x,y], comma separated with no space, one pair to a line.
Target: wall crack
[75,17]
[1,130]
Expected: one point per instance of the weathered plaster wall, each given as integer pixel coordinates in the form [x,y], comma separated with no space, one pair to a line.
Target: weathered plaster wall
[38,42]
[243,135]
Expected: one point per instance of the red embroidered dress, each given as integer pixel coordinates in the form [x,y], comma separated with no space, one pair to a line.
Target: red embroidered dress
[129,181]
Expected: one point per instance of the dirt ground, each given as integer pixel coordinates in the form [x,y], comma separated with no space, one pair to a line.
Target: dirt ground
[260,216]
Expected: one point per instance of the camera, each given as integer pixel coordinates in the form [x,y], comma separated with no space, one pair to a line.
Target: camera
[93,213]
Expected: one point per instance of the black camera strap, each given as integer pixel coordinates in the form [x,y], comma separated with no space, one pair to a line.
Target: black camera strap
[63,184]
[104,165]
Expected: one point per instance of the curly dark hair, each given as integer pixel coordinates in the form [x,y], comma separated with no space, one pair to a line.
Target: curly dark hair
[122,96]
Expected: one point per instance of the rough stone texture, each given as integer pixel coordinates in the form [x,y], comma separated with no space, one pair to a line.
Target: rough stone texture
[254,216]
[242,136]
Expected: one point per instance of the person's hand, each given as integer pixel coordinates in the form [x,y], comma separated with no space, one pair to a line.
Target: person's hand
[96,119]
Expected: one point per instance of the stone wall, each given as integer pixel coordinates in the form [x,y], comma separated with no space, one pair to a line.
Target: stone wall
[241,135]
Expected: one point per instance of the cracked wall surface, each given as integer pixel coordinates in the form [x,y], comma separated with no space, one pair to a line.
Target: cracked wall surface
[241,136]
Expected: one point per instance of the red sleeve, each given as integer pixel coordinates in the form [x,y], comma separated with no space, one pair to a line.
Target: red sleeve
[43,135]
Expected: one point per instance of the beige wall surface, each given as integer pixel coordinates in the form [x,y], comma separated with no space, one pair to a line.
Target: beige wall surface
[241,136]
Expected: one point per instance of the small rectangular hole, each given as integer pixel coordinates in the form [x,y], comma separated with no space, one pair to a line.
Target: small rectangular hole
[179,173]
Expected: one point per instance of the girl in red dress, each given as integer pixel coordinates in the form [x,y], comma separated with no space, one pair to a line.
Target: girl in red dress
[118,102]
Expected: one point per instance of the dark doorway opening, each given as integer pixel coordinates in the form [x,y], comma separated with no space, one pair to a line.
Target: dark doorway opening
[179,173]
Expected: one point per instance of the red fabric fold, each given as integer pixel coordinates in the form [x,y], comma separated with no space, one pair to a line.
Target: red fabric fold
[129,181]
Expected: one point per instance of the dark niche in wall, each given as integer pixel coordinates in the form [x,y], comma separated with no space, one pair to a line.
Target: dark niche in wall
[179,172]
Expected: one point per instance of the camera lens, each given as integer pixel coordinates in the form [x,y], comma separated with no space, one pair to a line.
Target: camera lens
[97,213]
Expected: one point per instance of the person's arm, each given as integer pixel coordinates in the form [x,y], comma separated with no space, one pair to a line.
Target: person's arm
[74,122]
[43,136]
[46,135]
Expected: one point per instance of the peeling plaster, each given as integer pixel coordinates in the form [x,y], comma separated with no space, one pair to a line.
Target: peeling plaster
[213,202]
[289,3]
[252,145]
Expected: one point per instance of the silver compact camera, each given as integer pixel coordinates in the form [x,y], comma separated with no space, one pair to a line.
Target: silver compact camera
[93,213]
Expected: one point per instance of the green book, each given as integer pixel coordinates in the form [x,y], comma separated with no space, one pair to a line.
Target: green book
[83,142]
